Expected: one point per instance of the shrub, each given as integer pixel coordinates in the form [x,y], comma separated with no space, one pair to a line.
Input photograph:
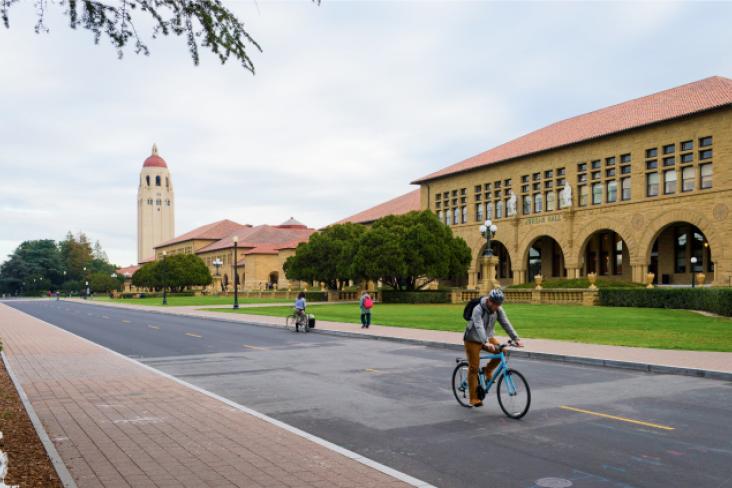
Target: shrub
[393,296]
[715,300]
[316,296]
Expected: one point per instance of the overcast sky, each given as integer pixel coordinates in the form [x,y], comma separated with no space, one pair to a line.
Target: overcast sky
[351,102]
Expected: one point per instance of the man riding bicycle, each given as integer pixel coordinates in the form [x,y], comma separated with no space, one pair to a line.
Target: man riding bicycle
[300,305]
[479,336]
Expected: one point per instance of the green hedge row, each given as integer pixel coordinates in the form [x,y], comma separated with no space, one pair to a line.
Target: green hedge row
[391,296]
[715,300]
[316,296]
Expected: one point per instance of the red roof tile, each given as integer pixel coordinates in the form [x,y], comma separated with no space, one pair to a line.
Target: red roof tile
[275,237]
[214,232]
[688,99]
[128,271]
[396,206]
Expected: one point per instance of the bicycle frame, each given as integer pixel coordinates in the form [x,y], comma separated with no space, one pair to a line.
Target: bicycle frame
[501,369]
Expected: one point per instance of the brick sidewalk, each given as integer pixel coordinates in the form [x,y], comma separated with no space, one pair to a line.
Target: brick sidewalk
[117,423]
[720,362]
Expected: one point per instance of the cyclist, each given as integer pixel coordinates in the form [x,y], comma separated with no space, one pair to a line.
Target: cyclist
[300,305]
[479,336]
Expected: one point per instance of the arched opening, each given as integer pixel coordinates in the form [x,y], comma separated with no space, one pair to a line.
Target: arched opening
[147,179]
[274,278]
[225,282]
[503,270]
[606,254]
[545,257]
[679,251]
[157,181]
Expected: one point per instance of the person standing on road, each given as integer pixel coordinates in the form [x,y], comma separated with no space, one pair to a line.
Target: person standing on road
[366,303]
[480,336]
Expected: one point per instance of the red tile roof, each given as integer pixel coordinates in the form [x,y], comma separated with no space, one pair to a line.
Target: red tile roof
[128,271]
[154,160]
[268,236]
[688,99]
[213,232]
[396,206]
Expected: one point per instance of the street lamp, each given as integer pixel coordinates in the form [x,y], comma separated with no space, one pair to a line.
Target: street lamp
[164,272]
[86,294]
[693,278]
[217,263]
[488,230]
[236,273]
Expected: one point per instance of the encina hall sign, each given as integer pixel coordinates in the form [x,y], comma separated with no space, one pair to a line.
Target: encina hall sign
[544,219]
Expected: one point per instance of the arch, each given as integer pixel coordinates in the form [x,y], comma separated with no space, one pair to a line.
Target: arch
[606,253]
[505,263]
[679,251]
[596,225]
[225,281]
[147,179]
[540,231]
[274,278]
[157,180]
[544,255]
[687,215]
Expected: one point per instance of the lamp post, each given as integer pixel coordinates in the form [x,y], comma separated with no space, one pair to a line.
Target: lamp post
[114,277]
[488,230]
[86,291]
[236,273]
[217,263]
[164,273]
[693,278]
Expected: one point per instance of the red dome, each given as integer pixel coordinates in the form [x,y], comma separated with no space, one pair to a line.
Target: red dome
[154,161]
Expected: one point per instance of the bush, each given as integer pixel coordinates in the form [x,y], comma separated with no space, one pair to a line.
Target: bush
[715,300]
[393,296]
[316,296]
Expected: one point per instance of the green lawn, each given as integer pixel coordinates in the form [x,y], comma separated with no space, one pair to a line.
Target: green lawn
[191,301]
[639,327]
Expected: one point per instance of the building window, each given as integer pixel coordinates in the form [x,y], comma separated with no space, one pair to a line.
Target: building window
[487,186]
[499,209]
[439,215]
[687,178]
[536,186]
[609,173]
[625,158]
[625,170]
[669,161]
[507,182]
[680,244]
[610,161]
[525,179]
[489,210]
[618,257]
[463,191]
[550,201]
[669,181]
[669,148]
[582,178]
[651,153]
[561,172]
[447,217]
[652,164]
[687,145]
[536,176]
[596,193]
[167,182]
[149,201]
[612,191]
[527,204]
[625,188]
[465,215]
[706,154]
[479,212]
[147,178]
[167,202]
[548,184]
[706,176]
[596,164]
[581,167]
[561,182]
[652,184]
[157,181]
[525,188]
[496,184]
[477,188]
[538,204]
[158,201]
[548,174]
[583,194]
[687,158]
[705,141]
[455,216]
[595,175]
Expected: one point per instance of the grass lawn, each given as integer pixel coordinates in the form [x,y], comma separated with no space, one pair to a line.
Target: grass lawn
[620,326]
[190,301]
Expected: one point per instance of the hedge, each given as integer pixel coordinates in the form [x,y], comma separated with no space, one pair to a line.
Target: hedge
[715,300]
[316,296]
[393,296]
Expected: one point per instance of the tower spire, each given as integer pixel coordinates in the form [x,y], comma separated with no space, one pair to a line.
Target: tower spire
[155,149]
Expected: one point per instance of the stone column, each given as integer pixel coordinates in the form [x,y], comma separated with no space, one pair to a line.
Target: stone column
[573,273]
[638,272]
[488,273]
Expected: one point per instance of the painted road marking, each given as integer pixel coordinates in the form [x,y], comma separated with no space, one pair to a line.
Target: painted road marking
[153,327]
[254,347]
[372,370]
[615,417]
[125,321]
[104,317]
[191,334]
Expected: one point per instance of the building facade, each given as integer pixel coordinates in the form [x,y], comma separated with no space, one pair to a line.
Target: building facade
[155,206]
[643,186]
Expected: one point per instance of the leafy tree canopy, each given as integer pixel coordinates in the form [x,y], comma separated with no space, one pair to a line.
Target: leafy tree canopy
[174,272]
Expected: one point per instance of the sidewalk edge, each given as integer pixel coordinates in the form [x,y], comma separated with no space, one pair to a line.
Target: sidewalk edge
[398,475]
[544,356]
[63,473]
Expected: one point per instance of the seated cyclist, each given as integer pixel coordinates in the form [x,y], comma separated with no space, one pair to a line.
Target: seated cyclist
[480,336]
[300,305]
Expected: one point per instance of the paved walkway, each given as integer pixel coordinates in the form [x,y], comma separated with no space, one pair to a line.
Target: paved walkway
[720,362]
[117,423]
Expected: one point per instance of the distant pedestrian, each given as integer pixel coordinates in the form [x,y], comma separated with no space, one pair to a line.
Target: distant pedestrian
[366,303]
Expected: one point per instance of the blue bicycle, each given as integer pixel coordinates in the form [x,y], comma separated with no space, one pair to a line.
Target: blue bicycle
[514,395]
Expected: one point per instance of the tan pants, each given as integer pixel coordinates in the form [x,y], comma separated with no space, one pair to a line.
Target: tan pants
[472,351]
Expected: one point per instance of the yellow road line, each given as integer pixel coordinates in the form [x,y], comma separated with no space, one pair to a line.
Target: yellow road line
[615,417]
[191,334]
[125,321]
[153,327]
[372,370]
[254,347]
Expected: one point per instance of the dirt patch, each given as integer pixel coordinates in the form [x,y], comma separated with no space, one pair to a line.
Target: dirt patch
[28,463]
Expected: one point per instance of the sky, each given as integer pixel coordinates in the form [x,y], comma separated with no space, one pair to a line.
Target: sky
[350,102]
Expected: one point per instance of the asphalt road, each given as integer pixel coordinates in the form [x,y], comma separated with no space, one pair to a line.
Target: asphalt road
[392,402]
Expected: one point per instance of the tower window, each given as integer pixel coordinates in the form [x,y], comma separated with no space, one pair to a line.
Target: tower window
[147,178]
[149,201]
[157,181]
[167,182]
[158,202]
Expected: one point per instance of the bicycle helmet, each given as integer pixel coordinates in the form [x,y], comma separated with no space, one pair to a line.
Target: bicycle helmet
[496,296]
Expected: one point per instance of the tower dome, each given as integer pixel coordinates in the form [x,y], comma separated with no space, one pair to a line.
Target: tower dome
[154,160]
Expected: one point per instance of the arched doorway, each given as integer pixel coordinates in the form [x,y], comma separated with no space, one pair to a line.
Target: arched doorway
[674,249]
[225,282]
[545,257]
[504,271]
[606,254]
[274,278]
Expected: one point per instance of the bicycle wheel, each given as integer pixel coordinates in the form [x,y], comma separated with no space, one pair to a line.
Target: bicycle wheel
[460,384]
[291,323]
[514,395]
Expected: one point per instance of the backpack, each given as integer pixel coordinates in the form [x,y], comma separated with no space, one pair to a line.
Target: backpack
[368,303]
[469,307]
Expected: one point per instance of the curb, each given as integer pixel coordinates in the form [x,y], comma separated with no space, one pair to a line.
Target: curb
[63,473]
[544,356]
[397,475]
